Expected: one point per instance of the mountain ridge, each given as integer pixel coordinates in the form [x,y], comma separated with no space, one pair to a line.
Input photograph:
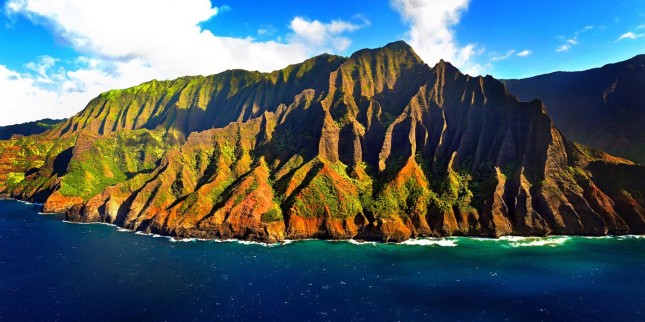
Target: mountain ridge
[601,107]
[636,58]
[376,146]
[28,128]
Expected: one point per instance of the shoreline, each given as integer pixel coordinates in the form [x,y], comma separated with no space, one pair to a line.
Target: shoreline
[446,241]
[416,241]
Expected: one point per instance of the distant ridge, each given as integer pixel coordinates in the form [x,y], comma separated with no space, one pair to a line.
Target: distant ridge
[29,128]
[601,107]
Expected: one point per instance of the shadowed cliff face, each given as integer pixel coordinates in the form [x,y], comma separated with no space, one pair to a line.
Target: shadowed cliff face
[376,146]
[603,107]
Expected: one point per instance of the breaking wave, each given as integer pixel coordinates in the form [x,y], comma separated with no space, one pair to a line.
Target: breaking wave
[444,242]
[632,237]
[361,242]
[517,241]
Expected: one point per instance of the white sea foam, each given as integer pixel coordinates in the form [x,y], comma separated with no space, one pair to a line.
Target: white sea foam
[77,223]
[502,239]
[361,242]
[599,237]
[514,239]
[107,224]
[24,202]
[247,242]
[90,223]
[182,240]
[444,242]
[631,237]
[538,241]
[150,234]
[483,239]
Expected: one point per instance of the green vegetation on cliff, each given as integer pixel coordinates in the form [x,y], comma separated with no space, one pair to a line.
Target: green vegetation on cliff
[99,162]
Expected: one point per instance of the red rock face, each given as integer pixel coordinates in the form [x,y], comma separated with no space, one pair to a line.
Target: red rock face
[56,203]
[377,146]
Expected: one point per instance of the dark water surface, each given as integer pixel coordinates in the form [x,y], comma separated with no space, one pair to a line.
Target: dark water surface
[50,270]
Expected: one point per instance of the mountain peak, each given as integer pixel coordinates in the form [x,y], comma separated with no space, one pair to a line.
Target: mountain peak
[399,45]
[398,49]
[445,66]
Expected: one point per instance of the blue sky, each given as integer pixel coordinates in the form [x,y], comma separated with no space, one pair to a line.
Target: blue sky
[58,54]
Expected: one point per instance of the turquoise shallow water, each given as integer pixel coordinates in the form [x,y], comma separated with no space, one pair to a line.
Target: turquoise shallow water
[51,270]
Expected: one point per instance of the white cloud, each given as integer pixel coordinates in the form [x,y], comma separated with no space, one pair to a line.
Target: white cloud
[524,53]
[584,29]
[224,8]
[323,36]
[568,43]
[128,42]
[170,39]
[57,93]
[509,54]
[505,56]
[267,30]
[16,93]
[563,48]
[431,34]
[43,64]
[629,35]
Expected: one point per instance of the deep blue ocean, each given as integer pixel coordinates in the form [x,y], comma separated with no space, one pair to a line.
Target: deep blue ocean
[52,270]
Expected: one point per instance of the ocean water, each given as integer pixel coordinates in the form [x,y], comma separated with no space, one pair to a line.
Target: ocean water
[52,270]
